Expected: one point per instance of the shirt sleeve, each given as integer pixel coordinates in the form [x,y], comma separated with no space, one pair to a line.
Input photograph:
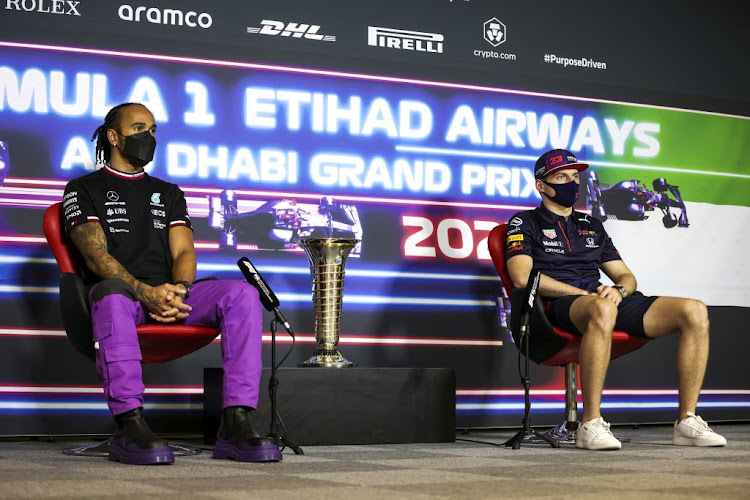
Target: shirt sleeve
[178,215]
[78,208]
[519,238]
[609,252]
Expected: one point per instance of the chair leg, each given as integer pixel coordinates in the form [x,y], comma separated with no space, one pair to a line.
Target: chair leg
[571,408]
[566,431]
[571,397]
[101,449]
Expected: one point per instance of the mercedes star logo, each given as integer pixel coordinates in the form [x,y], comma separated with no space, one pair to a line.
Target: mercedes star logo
[112,196]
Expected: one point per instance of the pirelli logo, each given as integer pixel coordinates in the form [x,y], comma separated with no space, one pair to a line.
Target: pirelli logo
[419,41]
[515,237]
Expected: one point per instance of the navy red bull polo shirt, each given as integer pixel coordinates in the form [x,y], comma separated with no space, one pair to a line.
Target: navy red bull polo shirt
[570,251]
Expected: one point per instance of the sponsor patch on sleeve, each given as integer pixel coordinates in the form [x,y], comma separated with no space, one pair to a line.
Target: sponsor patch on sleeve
[515,237]
[514,247]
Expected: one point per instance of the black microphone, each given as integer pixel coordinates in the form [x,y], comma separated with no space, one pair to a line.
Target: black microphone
[529,296]
[267,297]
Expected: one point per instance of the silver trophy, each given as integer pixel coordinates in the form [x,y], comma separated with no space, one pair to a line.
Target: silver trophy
[327,257]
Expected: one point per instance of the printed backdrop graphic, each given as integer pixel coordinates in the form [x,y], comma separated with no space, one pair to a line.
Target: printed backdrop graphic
[443,163]
[419,171]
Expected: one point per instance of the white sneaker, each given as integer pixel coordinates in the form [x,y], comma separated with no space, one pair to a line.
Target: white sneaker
[694,431]
[595,435]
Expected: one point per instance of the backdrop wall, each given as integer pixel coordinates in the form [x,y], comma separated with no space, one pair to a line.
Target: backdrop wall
[414,128]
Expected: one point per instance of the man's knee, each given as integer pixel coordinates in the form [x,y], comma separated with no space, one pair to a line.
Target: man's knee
[694,315]
[240,290]
[239,294]
[113,286]
[239,302]
[602,314]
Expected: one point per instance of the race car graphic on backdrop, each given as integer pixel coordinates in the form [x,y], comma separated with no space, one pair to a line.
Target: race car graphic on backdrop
[279,224]
[503,310]
[631,199]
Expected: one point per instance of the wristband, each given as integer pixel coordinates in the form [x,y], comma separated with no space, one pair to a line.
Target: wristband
[623,291]
[186,285]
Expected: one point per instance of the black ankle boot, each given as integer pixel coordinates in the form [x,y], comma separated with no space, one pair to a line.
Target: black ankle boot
[135,443]
[235,424]
[237,440]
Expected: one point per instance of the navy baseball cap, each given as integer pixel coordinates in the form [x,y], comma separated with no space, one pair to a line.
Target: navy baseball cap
[557,159]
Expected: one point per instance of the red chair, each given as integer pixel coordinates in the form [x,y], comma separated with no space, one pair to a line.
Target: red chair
[549,345]
[159,342]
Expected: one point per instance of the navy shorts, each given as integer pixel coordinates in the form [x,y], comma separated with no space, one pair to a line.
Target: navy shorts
[630,313]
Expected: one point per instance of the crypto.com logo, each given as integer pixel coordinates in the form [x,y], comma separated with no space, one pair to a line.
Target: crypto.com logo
[495,32]
[295,30]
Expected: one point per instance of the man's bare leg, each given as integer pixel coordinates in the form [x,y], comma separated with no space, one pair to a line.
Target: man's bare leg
[670,314]
[595,317]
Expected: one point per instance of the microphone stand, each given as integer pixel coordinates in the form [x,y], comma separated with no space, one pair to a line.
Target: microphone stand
[273,384]
[526,430]
[271,303]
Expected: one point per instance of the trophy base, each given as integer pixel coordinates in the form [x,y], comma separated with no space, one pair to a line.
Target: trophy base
[327,359]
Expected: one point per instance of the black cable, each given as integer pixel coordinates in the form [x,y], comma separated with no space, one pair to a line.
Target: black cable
[283,428]
[291,348]
[272,389]
[520,348]
[278,365]
[480,442]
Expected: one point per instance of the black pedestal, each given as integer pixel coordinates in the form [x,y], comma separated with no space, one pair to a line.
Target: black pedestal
[329,406]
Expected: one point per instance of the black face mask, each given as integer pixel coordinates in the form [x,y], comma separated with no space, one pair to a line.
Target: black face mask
[565,194]
[139,148]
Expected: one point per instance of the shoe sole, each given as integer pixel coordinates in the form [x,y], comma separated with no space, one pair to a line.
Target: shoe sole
[161,455]
[686,441]
[612,447]
[264,453]
[606,448]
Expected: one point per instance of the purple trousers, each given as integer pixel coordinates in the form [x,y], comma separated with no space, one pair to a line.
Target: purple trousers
[230,305]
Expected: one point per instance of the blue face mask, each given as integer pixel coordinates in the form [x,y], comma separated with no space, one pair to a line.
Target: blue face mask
[565,194]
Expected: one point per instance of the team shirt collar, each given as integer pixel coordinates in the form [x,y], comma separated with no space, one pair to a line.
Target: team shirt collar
[123,175]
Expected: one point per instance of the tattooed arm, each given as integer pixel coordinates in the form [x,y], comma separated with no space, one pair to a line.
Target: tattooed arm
[92,243]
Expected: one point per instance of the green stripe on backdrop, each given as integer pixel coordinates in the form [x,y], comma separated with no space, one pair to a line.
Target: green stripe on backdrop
[713,149]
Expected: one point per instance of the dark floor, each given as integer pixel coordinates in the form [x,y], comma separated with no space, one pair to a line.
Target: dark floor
[647,468]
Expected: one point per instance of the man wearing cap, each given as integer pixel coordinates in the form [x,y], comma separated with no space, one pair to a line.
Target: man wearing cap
[570,248]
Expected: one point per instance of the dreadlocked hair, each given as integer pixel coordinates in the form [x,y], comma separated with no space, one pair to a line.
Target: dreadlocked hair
[111,121]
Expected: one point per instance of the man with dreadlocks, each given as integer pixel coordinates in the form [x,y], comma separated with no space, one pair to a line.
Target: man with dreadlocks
[136,238]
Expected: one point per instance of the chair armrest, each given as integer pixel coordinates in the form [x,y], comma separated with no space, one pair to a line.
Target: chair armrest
[545,342]
[76,315]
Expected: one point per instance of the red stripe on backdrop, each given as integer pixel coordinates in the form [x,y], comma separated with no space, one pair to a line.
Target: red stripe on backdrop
[302,338]
[10,388]
[36,240]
